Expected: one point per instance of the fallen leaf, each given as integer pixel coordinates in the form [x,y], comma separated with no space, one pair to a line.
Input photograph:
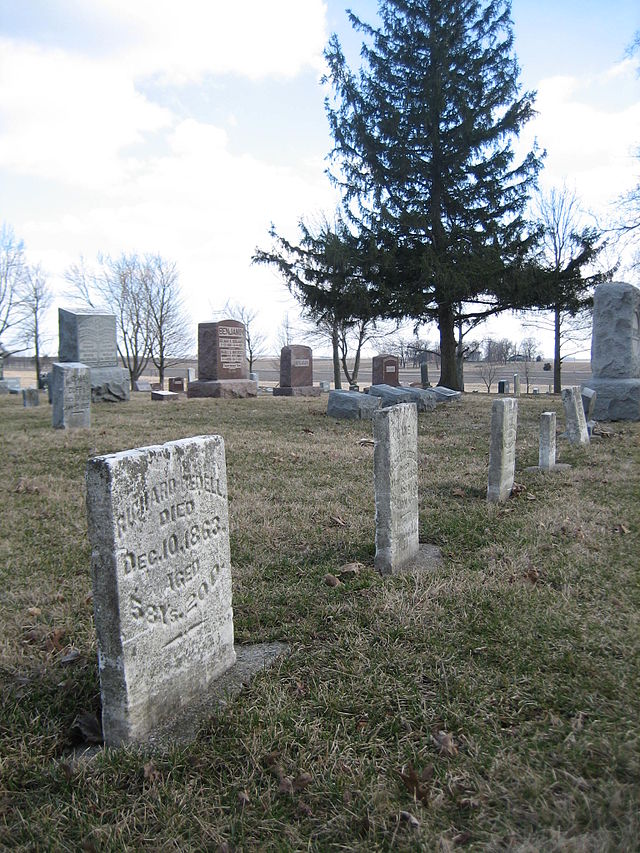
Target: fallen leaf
[71,656]
[285,786]
[366,442]
[412,820]
[24,485]
[531,497]
[331,580]
[53,642]
[532,575]
[301,781]
[445,743]
[307,430]
[271,758]
[350,569]
[304,809]
[338,521]
[243,799]
[151,773]
[418,786]
[60,597]
[34,611]
[89,727]
[458,493]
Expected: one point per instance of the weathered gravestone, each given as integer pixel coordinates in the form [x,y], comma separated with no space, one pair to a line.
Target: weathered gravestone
[547,449]
[142,385]
[424,375]
[9,386]
[385,370]
[161,395]
[391,395]
[70,396]
[615,352]
[176,384]
[222,363]
[160,562]
[445,395]
[89,337]
[30,397]
[503,386]
[502,453]
[352,405]
[516,384]
[577,431]
[296,373]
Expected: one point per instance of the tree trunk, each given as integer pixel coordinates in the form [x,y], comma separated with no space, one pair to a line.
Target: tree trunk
[557,384]
[448,368]
[337,375]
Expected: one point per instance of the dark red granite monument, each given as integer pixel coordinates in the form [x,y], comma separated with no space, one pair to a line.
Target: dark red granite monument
[222,363]
[296,373]
[385,370]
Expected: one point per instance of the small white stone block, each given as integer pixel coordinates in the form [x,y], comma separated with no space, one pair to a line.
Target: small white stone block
[547,450]
[577,431]
[395,459]
[502,453]
[160,562]
[71,395]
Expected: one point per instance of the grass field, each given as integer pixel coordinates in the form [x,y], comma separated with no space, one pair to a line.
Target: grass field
[493,704]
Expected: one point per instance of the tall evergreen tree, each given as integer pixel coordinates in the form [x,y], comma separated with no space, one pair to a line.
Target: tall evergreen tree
[423,153]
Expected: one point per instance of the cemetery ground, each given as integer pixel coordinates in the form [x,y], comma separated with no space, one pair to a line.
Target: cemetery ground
[491,703]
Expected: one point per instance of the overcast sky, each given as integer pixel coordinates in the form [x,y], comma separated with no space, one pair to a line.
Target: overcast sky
[186,128]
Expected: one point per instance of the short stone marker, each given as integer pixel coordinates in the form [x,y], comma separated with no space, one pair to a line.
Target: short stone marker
[502,453]
[395,460]
[424,375]
[615,352]
[88,337]
[547,450]
[296,373]
[71,396]
[325,387]
[142,385]
[516,384]
[352,405]
[30,397]
[422,397]
[176,384]
[577,432]
[9,386]
[222,363]
[385,370]
[163,396]
[445,395]
[160,563]
[503,386]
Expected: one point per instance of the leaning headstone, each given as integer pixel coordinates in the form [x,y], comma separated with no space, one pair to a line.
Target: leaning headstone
[395,433]
[516,384]
[71,396]
[160,563]
[222,363]
[391,395]
[576,424]
[30,397]
[89,337]
[352,405]
[385,370]
[589,397]
[547,449]
[502,453]
[176,384]
[164,395]
[296,373]
[615,352]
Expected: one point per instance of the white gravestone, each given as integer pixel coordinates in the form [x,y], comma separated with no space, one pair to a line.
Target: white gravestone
[502,453]
[516,384]
[547,449]
[160,561]
[395,433]
[577,431]
[71,396]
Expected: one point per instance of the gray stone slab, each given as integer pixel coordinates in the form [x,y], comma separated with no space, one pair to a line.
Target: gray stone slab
[547,448]
[425,401]
[8,386]
[30,397]
[223,388]
[502,453]
[576,424]
[395,459]
[164,396]
[110,385]
[445,395]
[617,399]
[142,385]
[88,337]
[615,340]
[298,391]
[70,396]
[325,387]
[352,405]
[160,562]
[390,395]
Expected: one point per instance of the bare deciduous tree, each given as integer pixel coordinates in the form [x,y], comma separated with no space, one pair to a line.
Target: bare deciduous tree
[256,340]
[13,270]
[35,299]
[169,333]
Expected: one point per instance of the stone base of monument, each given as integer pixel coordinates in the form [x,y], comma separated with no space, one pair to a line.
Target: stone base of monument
[300,391]
[164,395]
[110,385]
[428,558]
[226,388]
[616,400]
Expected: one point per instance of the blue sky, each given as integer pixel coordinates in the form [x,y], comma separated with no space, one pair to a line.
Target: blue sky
[187,128]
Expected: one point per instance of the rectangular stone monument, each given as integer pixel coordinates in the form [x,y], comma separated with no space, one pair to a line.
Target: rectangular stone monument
[176,384]
[142,385]
[576,424]
[385,370]
[222,364]
[30,397]
[502,453]
[71,396]
[87,336]
[296,373]
[547,449]
[160,563]
[503,386]
[395,459]
[424,375]
[516,384]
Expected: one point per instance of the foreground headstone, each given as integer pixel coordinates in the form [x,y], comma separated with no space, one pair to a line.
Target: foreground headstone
[296,373]
[160,563]
[547,449]
[615,352]
[385,370]
[30,397]
[395,433]
[576,424]
[71,396]
[223,369]
[88,337]
[352,405]
[502,453]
